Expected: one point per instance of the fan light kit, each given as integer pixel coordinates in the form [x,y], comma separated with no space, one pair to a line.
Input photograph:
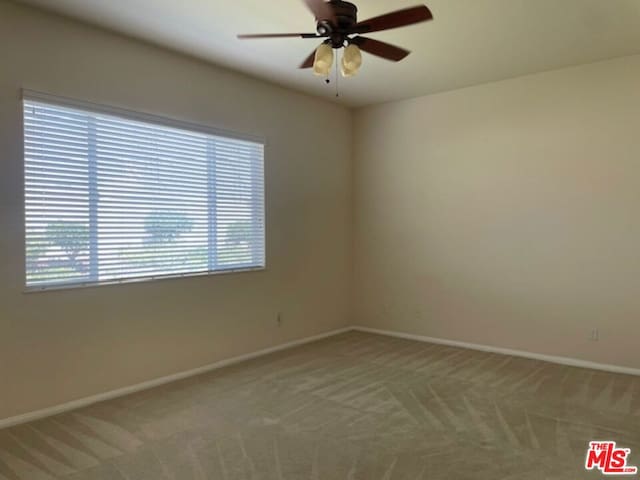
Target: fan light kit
[323,60]
[337,25]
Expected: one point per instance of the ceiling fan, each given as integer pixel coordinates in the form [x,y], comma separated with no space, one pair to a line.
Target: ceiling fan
[337,23]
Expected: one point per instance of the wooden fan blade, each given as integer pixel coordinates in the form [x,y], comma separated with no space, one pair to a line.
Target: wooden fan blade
[308,63]
[278,35]
[400,18]
[322,10]
[380,49]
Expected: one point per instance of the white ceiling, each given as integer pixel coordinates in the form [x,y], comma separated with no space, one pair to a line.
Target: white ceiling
[469,42]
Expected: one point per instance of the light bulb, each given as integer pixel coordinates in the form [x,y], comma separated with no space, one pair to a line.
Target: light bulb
[351,60]
[323,61]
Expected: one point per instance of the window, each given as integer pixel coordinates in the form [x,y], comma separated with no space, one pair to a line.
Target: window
[114,196]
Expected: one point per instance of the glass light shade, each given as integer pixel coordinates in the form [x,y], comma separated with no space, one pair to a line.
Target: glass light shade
[323,61]
[351,61]
[346,72]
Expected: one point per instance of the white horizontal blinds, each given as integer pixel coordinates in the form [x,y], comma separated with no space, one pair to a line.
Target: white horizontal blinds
[238,186]
[150,200]
[153,200]
[56,143]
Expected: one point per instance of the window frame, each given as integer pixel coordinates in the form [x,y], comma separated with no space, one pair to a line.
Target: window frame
[126,114]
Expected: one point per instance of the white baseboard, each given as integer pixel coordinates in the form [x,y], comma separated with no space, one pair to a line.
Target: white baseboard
[573,362]
[84,402]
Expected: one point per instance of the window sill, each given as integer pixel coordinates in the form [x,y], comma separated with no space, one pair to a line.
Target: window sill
[128,281]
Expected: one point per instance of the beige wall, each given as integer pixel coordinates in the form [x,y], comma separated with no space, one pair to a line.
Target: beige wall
[506,214]
[59,346]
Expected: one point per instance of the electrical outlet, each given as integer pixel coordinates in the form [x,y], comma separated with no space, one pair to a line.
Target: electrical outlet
[595,335]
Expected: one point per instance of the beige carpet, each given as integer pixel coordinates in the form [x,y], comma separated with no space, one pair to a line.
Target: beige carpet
[353,407]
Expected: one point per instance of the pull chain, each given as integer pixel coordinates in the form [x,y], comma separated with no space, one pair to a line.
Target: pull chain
[328,79]
[337,56]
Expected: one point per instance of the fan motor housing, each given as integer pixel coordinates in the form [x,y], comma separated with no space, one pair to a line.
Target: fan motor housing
[346,13]
[346,17]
